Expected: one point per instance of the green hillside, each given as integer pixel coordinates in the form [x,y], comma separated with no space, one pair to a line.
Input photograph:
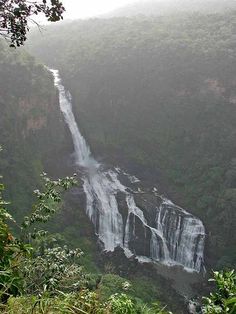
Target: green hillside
[158,95]
[31,130]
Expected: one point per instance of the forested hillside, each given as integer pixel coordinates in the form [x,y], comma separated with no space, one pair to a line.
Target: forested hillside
[30,125]
[159,94]
[33,138]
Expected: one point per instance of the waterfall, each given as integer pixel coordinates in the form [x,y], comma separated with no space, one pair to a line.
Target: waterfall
[175,237]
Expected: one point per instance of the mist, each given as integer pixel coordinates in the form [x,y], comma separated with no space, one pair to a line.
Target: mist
[132,105]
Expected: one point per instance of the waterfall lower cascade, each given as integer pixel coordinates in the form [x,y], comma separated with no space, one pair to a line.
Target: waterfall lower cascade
[158,231]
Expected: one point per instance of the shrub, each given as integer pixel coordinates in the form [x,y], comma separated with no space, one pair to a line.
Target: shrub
[223,300]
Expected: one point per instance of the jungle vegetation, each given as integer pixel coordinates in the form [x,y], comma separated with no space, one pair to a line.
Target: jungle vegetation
[158,94]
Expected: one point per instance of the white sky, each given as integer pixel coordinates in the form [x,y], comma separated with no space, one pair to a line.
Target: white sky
[89,8]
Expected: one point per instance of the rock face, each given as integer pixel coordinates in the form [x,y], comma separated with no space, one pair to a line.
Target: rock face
[31,128]
[158,230]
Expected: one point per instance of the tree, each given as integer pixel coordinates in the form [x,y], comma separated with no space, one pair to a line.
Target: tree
[223,299]
[25,260]
[46,277]
[15,16]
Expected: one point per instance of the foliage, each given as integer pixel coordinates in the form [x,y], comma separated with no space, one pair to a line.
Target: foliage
[12,252]
[15,264]
[48,277]
[47,201]
[15,16]
[80,303]
[30,127]
[136,81]
[111,284]
[46,270]
[122,304]
[158,94]
[56,269]
[76,303]
[223,300]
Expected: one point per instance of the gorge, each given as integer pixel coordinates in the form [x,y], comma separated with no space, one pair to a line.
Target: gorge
[140,105]
[175,237]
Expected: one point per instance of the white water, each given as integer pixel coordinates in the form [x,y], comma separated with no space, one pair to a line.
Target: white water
[175,238]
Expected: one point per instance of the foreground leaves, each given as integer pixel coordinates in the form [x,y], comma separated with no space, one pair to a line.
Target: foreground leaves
[223,300]
[16,14]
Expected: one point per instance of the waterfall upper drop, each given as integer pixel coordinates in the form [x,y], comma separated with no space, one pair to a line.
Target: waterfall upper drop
[157,230]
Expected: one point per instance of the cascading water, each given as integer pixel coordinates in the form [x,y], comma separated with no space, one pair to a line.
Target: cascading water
[175,237]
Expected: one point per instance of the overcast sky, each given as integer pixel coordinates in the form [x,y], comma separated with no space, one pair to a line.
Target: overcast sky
[89,8]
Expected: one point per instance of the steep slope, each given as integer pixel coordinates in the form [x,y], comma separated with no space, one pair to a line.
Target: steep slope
[35,139]
[30,128]
[158,94]
[32,134]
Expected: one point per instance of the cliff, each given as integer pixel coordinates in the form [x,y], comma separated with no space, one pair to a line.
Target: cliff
[31,129]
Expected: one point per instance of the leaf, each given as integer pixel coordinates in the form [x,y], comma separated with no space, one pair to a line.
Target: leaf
[231,301]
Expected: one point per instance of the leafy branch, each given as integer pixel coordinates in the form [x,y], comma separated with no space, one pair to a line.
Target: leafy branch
[16,14]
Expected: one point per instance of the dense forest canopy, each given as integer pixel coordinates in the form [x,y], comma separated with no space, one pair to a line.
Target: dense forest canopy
[154,93]
[33,139]
[29,105]
[160,92]
[41,268]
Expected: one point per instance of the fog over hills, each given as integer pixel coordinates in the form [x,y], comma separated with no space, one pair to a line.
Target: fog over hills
[162,7]
[135,112]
